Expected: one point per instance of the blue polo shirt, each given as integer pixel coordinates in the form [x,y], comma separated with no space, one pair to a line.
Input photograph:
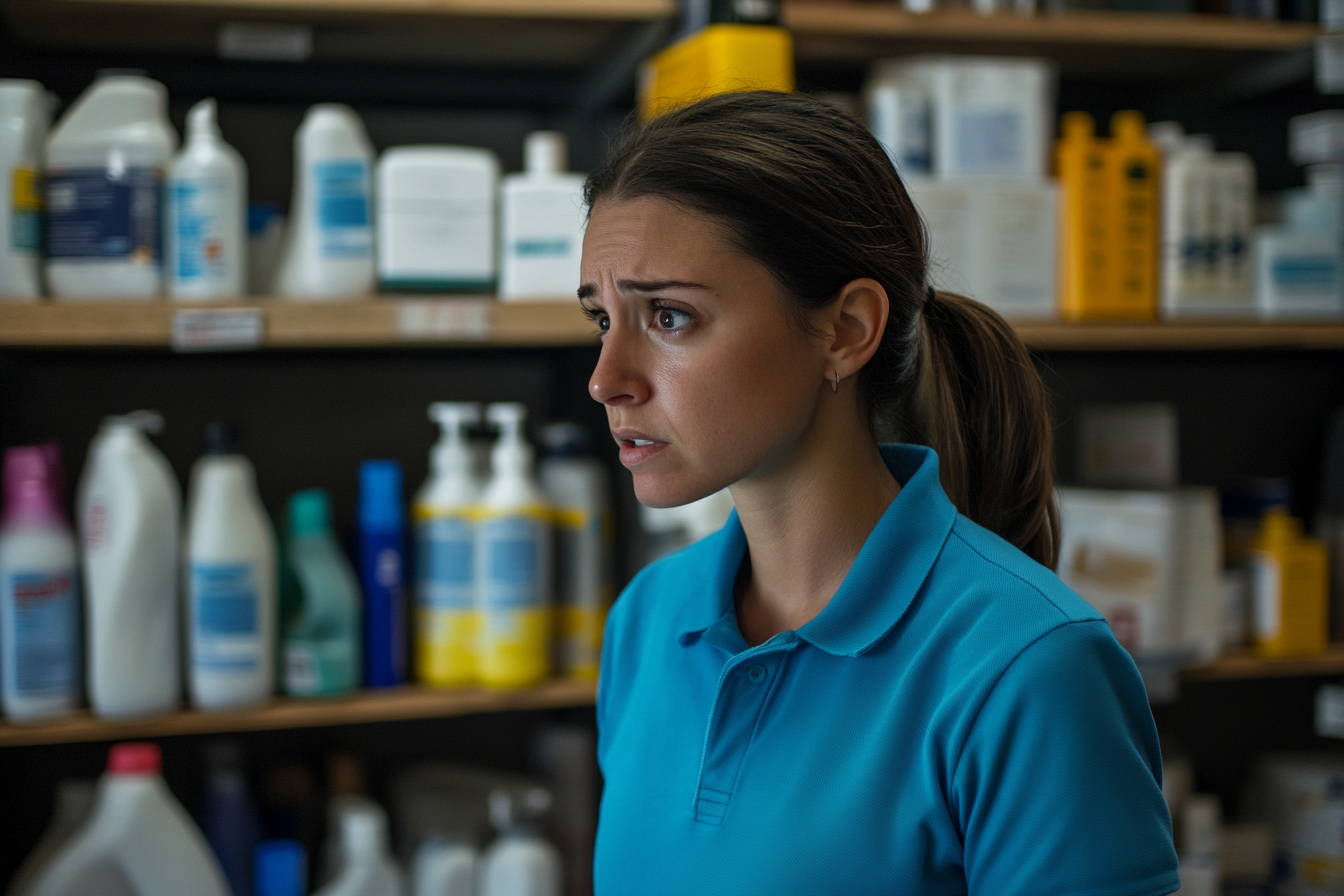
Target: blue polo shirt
[955,720]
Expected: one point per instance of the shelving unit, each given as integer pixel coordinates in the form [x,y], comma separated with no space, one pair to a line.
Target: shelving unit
[400,704]
[1245,665]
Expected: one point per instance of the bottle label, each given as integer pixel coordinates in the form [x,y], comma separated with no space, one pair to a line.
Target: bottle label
[43,632]
[512,574]
[301,670]
[25,222]
[200,243]
[445,563]
[1266,591]
[104,213]
[342,195]
[224,617]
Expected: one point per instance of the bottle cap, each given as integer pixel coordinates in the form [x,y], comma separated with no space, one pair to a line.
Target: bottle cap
[201,123]
[1077,124]
[545,152]
[280,868]
[380,495]
[135,759]
[221,438]
[33,481]
[565,439]
[1128,124]
[310,512]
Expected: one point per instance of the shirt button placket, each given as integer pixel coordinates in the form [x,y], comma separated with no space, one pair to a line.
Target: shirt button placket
[737,708]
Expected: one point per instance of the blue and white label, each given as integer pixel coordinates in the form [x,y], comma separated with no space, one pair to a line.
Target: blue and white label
[41,621]
[199,244]
[341,193]
[225,623]
[989,141]
[445,565]
[102,213]
[512,562]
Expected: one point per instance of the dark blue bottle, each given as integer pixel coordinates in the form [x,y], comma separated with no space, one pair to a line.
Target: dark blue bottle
[382,567]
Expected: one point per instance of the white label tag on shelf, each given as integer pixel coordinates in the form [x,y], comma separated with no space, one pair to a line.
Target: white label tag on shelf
[444,319]
[265,42]
[217,329]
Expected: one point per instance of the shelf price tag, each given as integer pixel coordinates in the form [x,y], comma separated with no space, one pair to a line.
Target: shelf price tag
[444,319]
[217,329]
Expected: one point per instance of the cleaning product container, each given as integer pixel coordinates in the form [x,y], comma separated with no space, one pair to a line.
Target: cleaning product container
[520,862]
[23,134]
[129,513]
[39,600]
[444,866]
[231,579]
[541,223]
[382,565]
[228,817]
[138,841]
[207,213]
[106,164]
[329,248]
[367,868]
[445,532]
[322,640]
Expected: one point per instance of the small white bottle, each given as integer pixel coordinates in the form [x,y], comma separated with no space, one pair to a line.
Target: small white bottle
[445,537]
[1234,174]
[443,867]
[1190,244]
[207,209]
[520,862]
[542,219]
[231,580]
[23,133]
[575,484]
[106,163]
[39,600]
[329,244]
[513,562]
[366,867]
[138,841]
[129,513]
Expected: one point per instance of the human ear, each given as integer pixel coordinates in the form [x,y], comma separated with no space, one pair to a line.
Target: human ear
[853,325]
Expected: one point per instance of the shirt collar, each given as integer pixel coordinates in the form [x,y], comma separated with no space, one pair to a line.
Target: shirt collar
[885,577]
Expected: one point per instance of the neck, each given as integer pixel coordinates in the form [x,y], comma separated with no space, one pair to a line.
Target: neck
[806,517]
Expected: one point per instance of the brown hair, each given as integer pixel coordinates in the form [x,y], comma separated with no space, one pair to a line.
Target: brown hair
[807,191]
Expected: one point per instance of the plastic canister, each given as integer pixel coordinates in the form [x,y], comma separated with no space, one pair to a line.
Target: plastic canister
[23,133]
[367,869]
[329,246]
[541,223]
[106,162]
[321,642]
[443,867]
[39,601]
[207,210]
[1290,589]
[520,862]
[382,562]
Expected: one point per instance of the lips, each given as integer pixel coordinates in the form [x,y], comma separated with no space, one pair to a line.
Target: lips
[636,447]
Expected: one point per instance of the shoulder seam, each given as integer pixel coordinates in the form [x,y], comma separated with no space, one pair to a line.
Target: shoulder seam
[992,562]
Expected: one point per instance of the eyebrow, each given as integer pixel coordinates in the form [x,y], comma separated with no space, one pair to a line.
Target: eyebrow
[588,290]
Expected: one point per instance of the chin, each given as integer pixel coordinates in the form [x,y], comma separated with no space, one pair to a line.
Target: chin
[657,491]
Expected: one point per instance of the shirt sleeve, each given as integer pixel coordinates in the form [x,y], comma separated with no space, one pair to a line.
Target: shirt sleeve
[1057,788]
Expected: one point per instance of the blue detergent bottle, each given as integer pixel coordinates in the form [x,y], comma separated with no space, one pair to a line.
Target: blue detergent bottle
[382,567]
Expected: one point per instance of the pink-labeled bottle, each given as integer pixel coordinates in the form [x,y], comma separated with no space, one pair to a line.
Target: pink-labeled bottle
[39,596]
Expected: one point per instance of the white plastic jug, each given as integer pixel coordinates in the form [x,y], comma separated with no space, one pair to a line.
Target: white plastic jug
[138,841]
[443,867]
[106,163]
[129,508]
[520,862]
[366,867]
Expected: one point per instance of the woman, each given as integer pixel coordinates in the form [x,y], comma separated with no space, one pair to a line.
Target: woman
[869,681]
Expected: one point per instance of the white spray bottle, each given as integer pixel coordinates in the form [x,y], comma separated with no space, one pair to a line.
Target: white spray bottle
[445,534]
[207,213]
[329,248]
[513,562]
[129,512]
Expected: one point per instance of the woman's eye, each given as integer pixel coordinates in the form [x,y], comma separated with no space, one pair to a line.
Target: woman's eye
[670,318]
[603,322]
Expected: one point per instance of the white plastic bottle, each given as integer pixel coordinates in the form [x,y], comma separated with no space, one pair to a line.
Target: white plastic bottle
[129,513]
[443,867]
[513,562]
[39,600]
[207,213]
[445,535]
[138,841]
[541,223]
[575,484]
[366,867]
[1234,175]
[74,802]
[1190,244]
[520,862]
[23,133]
[106,163]
[231,580]
[329,246]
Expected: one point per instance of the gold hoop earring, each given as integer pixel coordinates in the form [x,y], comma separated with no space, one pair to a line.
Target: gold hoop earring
[835,386]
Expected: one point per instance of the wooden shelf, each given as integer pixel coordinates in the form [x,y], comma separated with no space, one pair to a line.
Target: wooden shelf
[1244,664]
[514,33]
[1105,45]
[402,704]
[477,321]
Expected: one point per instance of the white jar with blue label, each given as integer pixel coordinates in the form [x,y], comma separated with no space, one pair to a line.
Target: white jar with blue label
[106,164]
[231,580]
[329,250]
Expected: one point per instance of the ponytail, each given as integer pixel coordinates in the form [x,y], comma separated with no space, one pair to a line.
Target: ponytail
[806,191]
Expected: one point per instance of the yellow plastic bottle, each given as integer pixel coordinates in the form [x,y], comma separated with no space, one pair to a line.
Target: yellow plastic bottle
[1085,262]
[1291,589]
[1137,200]
[722,58]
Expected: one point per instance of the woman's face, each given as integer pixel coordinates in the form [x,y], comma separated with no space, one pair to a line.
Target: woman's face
[706,379]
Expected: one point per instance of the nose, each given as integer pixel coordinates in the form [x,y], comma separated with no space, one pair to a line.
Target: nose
[618,378]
